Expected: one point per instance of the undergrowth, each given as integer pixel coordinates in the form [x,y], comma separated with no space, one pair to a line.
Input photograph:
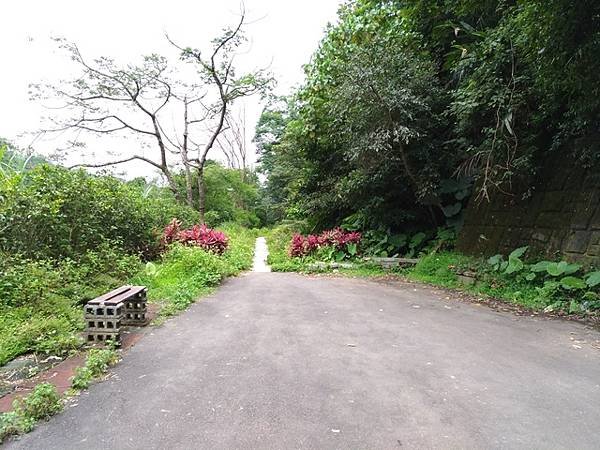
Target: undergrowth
[97,364]
[539,286]
[42,403]
[40,301]
[186,273]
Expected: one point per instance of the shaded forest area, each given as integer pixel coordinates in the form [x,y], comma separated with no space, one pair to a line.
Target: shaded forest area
[412,107]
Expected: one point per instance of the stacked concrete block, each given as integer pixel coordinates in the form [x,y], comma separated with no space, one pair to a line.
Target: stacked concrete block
[103,317]
[106,315]
[136,307]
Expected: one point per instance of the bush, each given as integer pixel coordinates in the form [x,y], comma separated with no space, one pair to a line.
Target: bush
[559,285]
[97,363]
[52,212]
[185,273]
[343,243]
[278,241]
[198,236]
[42,403]
[41,300]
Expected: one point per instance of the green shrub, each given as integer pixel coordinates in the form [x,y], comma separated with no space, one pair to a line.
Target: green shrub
[12,424]
[558,285]
[55,212]
[278,241]
[41,300]
[97,363]
[185,273]
[42,403]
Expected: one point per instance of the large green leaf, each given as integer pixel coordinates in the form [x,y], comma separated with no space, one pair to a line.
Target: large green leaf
[561,268]
[416,240]
[495,261]
[571,282]
[398,240]
[567,268]
[541,266]
[518,252]
[553,269]
[514,265]
[592,279]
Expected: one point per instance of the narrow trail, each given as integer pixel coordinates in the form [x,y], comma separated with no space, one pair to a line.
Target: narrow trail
[261,252]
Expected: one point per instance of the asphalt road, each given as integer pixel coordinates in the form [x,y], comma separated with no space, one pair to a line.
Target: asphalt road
[283,361]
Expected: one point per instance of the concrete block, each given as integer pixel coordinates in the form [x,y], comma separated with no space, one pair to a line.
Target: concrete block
[101,337]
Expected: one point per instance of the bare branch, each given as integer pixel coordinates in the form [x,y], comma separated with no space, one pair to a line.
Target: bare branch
[114,163]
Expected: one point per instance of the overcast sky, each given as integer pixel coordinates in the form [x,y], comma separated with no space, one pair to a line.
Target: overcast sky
[283,35]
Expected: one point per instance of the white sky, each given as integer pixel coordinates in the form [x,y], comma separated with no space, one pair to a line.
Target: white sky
[283,35]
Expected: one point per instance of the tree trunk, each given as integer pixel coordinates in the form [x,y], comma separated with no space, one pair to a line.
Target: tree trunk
[188,186]
[172,185]
[201,194]
[185,160]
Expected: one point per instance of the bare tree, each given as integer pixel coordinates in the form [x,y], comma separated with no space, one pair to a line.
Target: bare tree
[218,72]
[107,99]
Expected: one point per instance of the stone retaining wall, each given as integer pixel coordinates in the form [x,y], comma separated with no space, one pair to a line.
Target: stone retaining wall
[558,214]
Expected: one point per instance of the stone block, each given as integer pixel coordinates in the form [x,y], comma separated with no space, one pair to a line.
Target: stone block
[578,242]
[101,337]
[104,325]
[581,216]
[102,310]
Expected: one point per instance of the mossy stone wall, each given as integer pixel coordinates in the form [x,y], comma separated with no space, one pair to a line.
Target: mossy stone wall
[559,214]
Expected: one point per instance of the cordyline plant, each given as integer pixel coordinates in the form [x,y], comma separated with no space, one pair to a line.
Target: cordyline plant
[197,236]
[337,238]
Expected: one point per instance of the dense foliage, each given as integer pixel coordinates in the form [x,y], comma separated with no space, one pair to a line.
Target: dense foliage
[337,241]
[232,195]
[408,102]
[184,273]
[67,236]
[57,213]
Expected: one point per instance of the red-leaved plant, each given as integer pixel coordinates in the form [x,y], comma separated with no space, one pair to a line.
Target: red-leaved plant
[337,238]
[197,236]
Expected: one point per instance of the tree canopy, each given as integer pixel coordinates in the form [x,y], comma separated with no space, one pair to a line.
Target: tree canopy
[407,103]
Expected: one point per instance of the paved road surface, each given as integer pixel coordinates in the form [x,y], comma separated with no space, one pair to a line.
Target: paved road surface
[282,361]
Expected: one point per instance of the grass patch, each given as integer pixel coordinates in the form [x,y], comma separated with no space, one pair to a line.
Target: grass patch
[439,269]
[97,363]
[42,403]
[278,242]
[186,273]
[40,301]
